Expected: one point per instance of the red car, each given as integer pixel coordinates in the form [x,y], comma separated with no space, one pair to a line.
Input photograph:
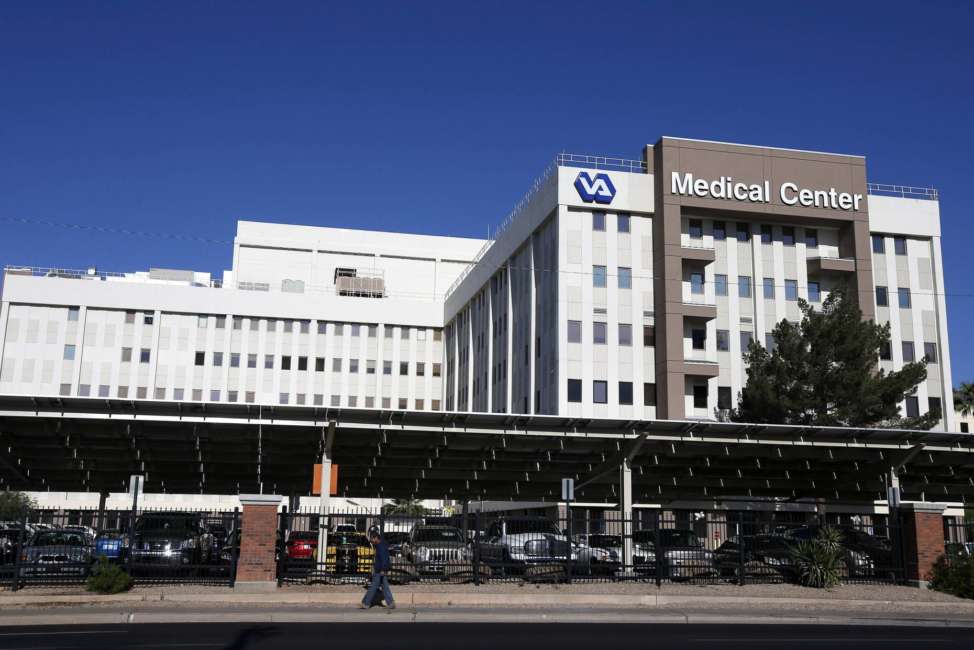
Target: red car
[302,545]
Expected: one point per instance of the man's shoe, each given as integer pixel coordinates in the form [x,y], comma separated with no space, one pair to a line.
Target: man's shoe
[391,605]
[363,606]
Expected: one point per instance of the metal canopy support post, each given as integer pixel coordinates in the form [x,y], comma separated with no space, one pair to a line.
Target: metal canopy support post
[625,512]
[324,494]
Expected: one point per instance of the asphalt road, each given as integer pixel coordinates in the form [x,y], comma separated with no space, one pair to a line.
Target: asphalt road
[474,636]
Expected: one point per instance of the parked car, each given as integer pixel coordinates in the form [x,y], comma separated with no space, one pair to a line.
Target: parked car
[172,540]
[514,544]
[395,540]
[431,549]
[302,545]
[681,554]
[862,552]
[57,552]
[219,533]
[113,546]
[346,528]
[232,548]
[84,530]
[606,550]
[348,554]
[764,556]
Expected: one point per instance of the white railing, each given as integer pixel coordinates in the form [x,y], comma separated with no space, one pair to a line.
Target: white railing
[600,162]
[904,191]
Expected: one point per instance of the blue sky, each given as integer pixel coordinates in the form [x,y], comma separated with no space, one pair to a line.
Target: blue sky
[180,118]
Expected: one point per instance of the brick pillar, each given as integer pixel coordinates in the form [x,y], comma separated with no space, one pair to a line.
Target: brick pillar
[256,566]
[922,526]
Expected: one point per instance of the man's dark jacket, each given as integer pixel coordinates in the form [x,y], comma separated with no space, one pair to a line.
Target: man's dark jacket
[382,561]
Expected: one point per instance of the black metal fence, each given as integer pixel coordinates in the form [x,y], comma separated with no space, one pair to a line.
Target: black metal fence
[650,545]
[958,538]
[57,547]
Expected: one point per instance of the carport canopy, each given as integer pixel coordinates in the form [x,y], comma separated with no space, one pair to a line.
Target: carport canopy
[93,444]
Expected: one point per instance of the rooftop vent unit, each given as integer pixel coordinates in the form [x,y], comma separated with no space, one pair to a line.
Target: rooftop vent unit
[360,284]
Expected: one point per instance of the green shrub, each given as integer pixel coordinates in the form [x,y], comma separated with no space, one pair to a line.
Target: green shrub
[955,576]
[108,578]
[819,561]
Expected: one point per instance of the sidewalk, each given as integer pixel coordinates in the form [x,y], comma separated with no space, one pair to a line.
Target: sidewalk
[636,603]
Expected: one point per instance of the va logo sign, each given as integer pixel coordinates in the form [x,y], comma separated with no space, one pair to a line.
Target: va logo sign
[598,188]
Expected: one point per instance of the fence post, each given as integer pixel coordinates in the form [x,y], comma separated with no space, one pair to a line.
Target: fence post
[568,549]
[740,550]
[234,548]
[658,551]
[282,528]
[476,549]
[132,517]
[21,543]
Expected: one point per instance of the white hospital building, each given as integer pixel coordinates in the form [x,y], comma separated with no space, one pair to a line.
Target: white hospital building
[616,289]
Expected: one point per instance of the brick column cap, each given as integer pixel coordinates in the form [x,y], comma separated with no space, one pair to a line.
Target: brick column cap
[260,499]
[924,506]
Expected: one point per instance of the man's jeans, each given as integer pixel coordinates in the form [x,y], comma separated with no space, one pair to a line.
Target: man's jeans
[378,580]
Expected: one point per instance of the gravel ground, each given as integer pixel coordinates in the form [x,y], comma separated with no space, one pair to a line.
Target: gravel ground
[843,592]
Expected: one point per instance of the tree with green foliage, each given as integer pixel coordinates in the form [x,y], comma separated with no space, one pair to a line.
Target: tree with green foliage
[405,507]
[13,504]
[964,398]
[824,371]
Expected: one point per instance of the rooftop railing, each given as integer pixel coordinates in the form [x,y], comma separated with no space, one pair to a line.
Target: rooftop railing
[601,162]
[903,191]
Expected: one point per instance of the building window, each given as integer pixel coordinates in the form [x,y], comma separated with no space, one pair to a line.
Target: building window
[600,392]
[221,322]
[217,358]
[814,292]
[237,323]
[319,364]
[251,360]
[811,238]
[234,359]
[386,367]
[141,392]
[767,234]
[404,333]
[387,331]
[574,331]
[69,351]
[197,395]
[177,394]
[882,297]
[200,359]
[788,235]
[126,355]
[130,317]
[622,222]
[202,322]
[123,391]
[575,390]
[724,398]
[254,324]
[885,351]
[625,334]
[625,277]
[700,396]
[720,231]
[356,329]
[698,337]
[305,326]
[145,354]
[420,369]
[370,366]
[232,396]
[720,284]
[769,288]
[769,344]
[625,393]
[649,394]
[649,336]
[723,340]
[403,403]
[73,314]
[904,296]
[598,221]
[84,390]
[791,290]
[403,367]
[437,370]
[285,363]
[746,339]
[909,355]
[912,407]
[336,365]
[743,232]
[879,244]
[598,277]
[283,398]
[374,332]
[268,361]
[214,396]
[302,363]
[934,406]
[899,245]
[696,284]
[599,333]
[964,427]
[336,400]
[743,286]
[930,352]
[148,319]
[695,228]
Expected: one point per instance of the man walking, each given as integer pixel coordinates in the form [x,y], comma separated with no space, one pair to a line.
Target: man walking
[381,563]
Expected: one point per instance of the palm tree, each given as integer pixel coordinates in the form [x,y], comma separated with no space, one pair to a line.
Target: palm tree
[405,507]
[964,399]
